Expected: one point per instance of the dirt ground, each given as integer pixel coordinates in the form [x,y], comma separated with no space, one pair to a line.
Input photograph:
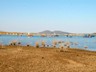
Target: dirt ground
[30,59]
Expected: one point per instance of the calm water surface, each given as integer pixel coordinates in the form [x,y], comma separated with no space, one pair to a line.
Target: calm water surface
[78,42]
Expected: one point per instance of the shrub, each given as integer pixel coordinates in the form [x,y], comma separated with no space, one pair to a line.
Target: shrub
[37,45]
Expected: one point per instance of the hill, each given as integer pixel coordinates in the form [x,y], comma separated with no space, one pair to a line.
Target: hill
[53,32]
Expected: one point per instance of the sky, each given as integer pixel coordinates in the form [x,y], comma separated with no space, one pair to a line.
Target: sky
[76,16]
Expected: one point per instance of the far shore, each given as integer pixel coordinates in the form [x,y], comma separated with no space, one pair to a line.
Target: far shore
[32,59]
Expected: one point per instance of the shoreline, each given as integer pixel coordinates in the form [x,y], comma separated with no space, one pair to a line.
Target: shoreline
[17,46]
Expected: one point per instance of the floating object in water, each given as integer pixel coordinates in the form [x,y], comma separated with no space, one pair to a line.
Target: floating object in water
[85,47]
[76,43]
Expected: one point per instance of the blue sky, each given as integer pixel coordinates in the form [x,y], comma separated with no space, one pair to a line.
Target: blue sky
[37,15]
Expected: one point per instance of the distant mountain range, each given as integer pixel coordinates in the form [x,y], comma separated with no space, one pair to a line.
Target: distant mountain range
[53,32]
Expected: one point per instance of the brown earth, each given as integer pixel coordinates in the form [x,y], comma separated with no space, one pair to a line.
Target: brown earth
[30,59]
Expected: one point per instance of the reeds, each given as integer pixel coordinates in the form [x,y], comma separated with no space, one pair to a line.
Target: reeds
[28,45]
[15,43]
[43,43]
[67,44]
[1,45]
[54,43]
[19,43]
[37,45]
[62,48]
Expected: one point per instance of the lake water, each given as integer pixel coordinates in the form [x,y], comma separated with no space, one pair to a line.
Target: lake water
[77,41]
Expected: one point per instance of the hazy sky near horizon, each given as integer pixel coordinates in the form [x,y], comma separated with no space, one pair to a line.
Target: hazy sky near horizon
[37,15]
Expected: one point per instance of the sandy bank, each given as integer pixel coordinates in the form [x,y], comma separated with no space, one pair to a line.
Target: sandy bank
[29,59]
